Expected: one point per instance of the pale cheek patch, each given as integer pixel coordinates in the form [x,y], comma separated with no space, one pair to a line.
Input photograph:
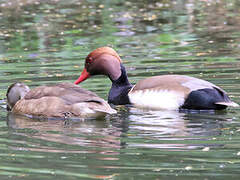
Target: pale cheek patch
[157,99]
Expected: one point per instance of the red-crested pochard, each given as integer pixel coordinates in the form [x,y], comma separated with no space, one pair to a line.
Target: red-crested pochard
[59,100]
[170,92]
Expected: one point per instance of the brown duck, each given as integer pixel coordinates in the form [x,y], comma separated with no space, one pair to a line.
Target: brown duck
[59,100]
[169,92]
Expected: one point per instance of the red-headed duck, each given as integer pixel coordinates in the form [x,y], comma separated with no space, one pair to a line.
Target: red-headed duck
[170,92]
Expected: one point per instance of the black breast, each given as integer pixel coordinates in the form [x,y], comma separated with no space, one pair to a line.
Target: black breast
[118,93]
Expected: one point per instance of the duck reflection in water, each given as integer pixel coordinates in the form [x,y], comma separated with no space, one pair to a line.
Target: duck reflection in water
[111,132]
[88,133]
[172,129]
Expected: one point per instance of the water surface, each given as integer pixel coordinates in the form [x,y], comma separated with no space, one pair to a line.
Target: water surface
[44,42]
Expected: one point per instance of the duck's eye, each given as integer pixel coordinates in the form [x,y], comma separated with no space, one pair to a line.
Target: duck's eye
[89,60]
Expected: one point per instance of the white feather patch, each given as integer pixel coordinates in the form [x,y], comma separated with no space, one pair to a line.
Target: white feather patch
[157,99]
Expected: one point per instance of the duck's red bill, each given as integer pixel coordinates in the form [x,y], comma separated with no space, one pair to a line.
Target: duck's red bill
[84,75]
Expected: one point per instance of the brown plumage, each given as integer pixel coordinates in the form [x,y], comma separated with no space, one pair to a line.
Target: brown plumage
[59,100]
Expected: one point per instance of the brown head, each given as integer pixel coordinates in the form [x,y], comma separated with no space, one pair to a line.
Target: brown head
[16,92]
[103,60]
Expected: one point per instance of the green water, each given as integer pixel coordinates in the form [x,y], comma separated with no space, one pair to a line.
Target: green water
[44,42]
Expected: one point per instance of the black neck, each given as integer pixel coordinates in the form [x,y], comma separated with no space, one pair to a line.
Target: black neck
[118,93]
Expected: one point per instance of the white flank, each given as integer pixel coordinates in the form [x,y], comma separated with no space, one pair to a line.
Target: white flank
[157,99]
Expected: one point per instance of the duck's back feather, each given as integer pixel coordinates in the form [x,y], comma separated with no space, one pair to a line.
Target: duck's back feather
[62,100]
[178,83]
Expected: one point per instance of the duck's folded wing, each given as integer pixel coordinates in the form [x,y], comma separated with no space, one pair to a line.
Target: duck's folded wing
[177,83]
[67,91]
[67,98]
[45,106]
